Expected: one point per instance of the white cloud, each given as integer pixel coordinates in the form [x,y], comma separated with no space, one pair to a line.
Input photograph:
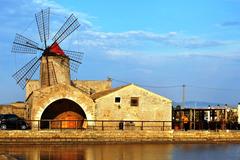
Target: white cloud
[141,58]
[123,44]
[119,53]
[92,38]
[134,34]
[112,40]
[143,70]
[230,24]
[172,33]
[152,59]
[84,18]
[212,55]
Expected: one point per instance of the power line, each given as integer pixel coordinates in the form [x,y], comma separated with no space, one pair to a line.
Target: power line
[184,89]
[212,88]
[125,82]
[178,86]
[147,86]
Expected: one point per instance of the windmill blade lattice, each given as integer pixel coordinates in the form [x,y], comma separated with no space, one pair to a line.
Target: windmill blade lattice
[68,27]
[22,44]
[26,72]
[65,64]
[48,75]
[75,59]
[42,19]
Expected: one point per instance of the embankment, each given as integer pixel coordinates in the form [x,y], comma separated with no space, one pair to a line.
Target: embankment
[106,137]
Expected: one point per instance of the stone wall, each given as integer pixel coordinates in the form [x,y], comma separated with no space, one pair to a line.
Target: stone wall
[54,69]
[86,85]
[102,137]
[15,108]
[95,85]
[152,107]
[41,99]
[31,86]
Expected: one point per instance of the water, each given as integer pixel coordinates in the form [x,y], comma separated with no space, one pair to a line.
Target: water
[122,152]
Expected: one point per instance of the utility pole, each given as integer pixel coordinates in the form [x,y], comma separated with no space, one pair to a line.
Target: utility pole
[183,96]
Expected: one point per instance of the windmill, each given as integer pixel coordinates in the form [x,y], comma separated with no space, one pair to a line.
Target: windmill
[55,63]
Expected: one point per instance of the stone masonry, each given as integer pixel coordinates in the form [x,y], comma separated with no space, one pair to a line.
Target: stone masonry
[116,137]
[92,99]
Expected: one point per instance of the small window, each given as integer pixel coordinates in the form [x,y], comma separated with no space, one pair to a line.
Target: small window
[134,101]
[117,99]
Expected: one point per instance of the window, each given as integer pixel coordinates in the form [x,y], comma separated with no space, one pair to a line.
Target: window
[134,101]
[12,117]
[117,99]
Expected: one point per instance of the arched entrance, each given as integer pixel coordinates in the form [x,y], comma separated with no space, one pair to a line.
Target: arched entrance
[63,113]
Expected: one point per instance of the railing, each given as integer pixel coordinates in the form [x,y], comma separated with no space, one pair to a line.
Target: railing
[99,125]
[129,125]
[206,125]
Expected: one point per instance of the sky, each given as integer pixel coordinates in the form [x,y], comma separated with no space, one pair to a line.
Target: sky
[159,45]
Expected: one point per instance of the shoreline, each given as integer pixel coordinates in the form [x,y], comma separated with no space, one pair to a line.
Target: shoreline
[118,137]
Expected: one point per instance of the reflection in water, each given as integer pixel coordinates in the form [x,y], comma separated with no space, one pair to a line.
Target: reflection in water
[88,152]
[207,152]
[121,152]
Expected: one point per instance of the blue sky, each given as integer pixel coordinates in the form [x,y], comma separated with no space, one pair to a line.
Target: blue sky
[151,43]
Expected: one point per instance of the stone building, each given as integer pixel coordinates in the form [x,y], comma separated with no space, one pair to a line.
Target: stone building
[133,105]
[131,102]
[56,97]
[18,108]
[96,100]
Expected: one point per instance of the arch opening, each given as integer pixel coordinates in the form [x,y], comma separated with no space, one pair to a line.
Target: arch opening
[63,113]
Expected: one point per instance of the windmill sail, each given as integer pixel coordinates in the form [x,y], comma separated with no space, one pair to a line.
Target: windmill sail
[26,72]
[67,28]
[75,59]
[22,44]
[52,57]
[42,19]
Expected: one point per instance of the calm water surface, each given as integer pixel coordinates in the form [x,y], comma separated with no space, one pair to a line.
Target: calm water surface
[122,152]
